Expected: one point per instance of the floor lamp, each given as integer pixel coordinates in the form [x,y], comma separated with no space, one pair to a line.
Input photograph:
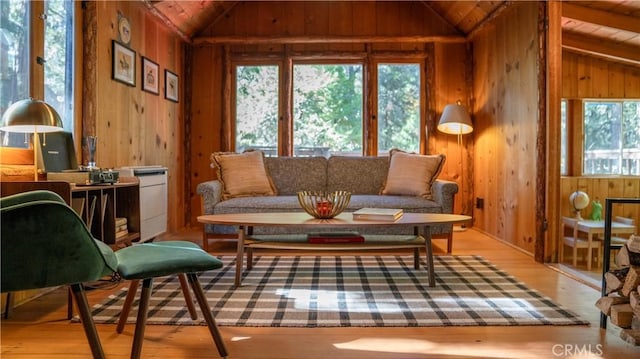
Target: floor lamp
[31,116]
[455,120]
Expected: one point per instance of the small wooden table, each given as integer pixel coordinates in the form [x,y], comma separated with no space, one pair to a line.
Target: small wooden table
[421,222]
[596,228]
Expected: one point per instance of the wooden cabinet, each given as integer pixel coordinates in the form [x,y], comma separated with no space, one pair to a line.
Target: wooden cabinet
[98,205]
[101,205]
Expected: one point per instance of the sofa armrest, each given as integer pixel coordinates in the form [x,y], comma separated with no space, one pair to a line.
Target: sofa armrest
[443,193]
[210,194]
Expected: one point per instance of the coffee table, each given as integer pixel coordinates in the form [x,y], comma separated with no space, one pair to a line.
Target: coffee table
[421,222]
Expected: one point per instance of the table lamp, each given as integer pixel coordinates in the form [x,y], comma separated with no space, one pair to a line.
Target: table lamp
[31,116]
[455,120]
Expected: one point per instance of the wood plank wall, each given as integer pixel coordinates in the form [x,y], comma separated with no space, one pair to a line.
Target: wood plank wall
[135,127]
[506,108]
[586,77]
[317,19]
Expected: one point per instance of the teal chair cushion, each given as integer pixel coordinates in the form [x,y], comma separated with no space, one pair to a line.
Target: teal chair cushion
[159,259]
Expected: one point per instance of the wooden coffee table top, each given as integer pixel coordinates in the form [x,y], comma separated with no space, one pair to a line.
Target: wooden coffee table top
[345,219]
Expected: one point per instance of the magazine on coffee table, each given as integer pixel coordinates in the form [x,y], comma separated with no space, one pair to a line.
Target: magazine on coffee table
[335,237]
[377,214]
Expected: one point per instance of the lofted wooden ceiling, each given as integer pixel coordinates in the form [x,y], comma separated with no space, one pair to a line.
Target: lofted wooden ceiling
[608,28]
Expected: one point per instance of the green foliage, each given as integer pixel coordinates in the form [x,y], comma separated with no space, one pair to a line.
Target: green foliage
[328,106]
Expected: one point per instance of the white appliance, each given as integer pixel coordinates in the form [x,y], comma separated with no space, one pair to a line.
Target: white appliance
[153,198]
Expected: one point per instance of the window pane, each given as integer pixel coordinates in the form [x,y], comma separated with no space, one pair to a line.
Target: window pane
[602,137]
[327,110]
[631,138]
[257,108]
[398,107]
[58,52]
[14,57]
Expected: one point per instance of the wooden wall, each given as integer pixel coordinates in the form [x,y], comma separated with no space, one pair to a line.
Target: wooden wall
[589,77]
[601,188]
[505,91]
[305,18]
[134,127]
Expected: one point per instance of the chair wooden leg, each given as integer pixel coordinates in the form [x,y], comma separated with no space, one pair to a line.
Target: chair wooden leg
[141,321]
[87,321]
[126,307]
[187,296]
[206,312]
[8,305]
[450,242]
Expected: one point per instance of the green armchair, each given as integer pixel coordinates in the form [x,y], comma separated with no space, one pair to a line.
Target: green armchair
[45,244]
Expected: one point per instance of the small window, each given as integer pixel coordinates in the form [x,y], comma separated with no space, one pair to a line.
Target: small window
[256,122]
[612,138]
[14,62]
[398,107]
[58,52]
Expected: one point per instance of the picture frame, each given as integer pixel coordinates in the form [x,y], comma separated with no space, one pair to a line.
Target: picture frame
[171,86]
[123,66]
[150,75]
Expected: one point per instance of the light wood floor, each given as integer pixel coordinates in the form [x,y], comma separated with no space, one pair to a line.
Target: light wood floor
[39,329]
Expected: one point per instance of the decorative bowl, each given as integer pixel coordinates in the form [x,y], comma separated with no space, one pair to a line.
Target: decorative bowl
[324,205]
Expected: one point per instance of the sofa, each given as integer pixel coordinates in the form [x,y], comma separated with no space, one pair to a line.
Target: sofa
[364,177]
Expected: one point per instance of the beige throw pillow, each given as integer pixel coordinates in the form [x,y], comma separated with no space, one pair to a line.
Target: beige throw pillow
[412,174]
[242,174]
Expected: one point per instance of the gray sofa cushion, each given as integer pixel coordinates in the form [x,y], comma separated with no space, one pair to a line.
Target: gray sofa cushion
[293,174]
[358,175]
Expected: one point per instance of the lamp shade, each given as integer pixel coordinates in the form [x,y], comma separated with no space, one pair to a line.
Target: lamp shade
[29,116]
[455,120]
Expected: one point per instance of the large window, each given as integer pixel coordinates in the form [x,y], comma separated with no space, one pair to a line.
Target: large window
[17,64]
[327,109]
[612,137]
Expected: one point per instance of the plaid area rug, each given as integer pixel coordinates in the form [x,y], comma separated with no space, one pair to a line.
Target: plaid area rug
[382,291]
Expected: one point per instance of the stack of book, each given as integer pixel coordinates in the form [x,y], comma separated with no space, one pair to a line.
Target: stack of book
[377,214]
[121,227]
[335,237]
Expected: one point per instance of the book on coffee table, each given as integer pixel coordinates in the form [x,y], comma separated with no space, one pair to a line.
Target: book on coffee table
[335,237]
[377,214]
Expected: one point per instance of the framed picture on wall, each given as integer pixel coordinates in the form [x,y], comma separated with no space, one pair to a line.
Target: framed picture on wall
[123,67]
[150,74]
[170,86]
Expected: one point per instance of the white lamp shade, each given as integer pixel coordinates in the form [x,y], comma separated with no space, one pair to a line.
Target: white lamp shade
[29,115]
[455,120]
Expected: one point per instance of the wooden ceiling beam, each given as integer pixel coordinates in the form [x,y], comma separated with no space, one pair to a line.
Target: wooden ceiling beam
[261,40]
[602,18]
[601,48]
[488,20]
[165,20]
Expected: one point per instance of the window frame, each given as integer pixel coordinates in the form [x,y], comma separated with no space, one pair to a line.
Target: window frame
[36,87]
[369,62]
